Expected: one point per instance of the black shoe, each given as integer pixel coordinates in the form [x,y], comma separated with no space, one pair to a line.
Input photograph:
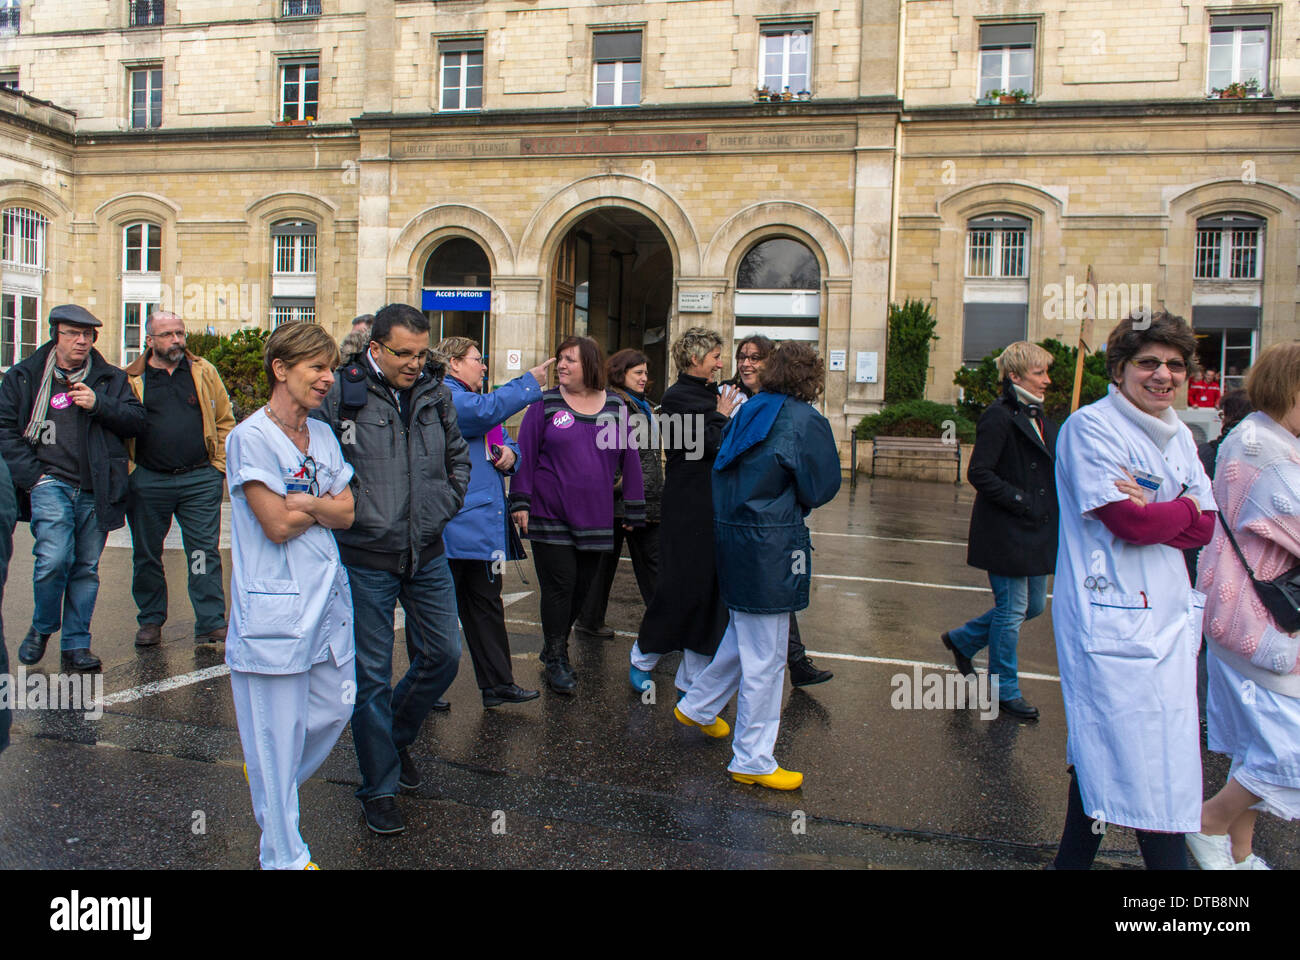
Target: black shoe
[964,666]
[804,673]
[555,666]
[32,648]
[507,693]
[382,815]
[81,659]
[409,778]
[602,632]
[441,706]
[1019,708]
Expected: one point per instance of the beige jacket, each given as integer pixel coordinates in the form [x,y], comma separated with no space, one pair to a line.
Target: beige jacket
[214,402]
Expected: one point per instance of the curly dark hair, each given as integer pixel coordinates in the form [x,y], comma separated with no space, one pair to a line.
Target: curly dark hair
[1132,334]
[794,369]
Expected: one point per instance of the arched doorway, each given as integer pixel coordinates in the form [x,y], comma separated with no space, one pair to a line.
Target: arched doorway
[612,280]
[457,294]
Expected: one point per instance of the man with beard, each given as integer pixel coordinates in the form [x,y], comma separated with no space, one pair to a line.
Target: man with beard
[179,469]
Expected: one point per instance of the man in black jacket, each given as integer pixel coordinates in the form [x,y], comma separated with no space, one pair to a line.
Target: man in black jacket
[1013,523]
[397,426]
[64,412]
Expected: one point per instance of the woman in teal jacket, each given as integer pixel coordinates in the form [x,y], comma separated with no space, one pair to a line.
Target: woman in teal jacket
[778,461]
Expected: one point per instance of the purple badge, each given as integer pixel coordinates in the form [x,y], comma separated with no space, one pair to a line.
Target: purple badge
[61,401]
[562,420]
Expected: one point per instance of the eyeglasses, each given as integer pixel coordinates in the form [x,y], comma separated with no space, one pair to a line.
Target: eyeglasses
[1150,364]
[308,472]
[405,355]
[468,359]
[754,358]
[80,333]
[176,334]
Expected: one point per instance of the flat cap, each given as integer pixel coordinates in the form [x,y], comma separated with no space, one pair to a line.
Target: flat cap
[71,313]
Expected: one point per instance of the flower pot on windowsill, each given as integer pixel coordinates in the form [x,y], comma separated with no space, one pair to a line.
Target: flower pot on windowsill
[1008,98]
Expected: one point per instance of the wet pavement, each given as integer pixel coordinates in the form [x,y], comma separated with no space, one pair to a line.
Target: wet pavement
[602,779]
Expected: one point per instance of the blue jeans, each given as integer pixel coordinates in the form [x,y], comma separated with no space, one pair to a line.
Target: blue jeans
[66,573]
[383,720]
[1017,599]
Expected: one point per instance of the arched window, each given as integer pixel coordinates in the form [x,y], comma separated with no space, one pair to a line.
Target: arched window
[22,250]
[1228,293]
[141,283]
[778,291]
[142,248]
[995,296]
[457,294]
[293,272]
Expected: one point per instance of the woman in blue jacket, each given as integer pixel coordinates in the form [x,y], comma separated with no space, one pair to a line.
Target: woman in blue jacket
[479,539]
[778,460]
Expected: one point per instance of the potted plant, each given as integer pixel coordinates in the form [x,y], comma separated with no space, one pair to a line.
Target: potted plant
[1238,90]
[762,94]
[804,95]
[1012,96]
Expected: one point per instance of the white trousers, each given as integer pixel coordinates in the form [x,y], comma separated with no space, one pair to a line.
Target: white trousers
[751,658]
[288,724]
[690,668]
[644,661]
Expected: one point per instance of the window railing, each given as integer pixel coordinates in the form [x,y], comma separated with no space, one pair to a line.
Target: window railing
[300,8]
[9,21]
[146,13]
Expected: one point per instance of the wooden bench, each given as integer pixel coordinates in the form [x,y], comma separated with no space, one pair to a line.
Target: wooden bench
[916,448]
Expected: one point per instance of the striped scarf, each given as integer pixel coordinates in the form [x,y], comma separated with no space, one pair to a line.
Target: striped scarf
[33,432]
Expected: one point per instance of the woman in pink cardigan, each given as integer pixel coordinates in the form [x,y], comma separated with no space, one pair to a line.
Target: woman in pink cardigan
[1254,688]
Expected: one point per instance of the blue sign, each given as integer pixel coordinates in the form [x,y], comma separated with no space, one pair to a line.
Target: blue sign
[456,298]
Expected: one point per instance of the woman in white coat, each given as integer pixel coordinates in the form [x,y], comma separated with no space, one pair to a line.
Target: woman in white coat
[290,647]
[1132,494]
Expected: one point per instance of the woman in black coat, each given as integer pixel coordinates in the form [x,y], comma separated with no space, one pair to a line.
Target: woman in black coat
[687,612]
[1014,520]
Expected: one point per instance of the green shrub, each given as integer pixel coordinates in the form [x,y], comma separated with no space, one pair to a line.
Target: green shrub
[916,418]
[907,356]
[238,358]
[980,384]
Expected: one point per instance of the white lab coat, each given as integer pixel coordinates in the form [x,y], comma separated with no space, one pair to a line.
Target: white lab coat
[290,602]
[1127,652]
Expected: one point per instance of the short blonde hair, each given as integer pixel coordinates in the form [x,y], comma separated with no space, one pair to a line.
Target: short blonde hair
[693,346]
[1021,357]
[1274,380]
[295,342]
[453,348]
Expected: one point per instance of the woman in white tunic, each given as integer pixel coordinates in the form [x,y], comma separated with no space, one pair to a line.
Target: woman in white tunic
[1254,677]
[290,648]
[1133,494]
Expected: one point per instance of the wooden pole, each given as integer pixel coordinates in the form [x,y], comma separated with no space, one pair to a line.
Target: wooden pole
[1085,334]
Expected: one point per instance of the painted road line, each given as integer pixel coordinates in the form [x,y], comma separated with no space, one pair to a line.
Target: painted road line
[869,536]
[162,686]
[399,614]
[906,583]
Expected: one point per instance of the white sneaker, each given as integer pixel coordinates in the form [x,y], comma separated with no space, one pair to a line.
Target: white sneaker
[1253,862]
[1211,852]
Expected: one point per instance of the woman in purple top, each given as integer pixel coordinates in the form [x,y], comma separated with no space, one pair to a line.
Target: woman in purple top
[562,496]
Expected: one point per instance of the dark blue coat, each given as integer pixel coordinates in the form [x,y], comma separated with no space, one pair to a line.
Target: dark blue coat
[481,527]
[777,462]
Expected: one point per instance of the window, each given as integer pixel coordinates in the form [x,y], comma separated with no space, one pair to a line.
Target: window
[995,250]
[1229,247]
[300,8]
[1006,57]
[457,291]
[778,291]
[1239,49]
[19,325]
[135,315]
[617,69]
[142,248]
[9,80]
[462,74]
[299,90]
[786,57]
[146,98]
[292,312]
[9,15]
[145,13]
[23,237]
[295,247]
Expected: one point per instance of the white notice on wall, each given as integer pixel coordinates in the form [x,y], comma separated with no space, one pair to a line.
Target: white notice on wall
[838,359]
[514,359]
[866,367]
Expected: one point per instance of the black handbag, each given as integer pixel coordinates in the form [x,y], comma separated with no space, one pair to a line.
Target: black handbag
[1281,595]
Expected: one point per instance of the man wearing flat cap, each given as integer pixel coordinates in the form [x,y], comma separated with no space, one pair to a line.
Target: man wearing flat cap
[64,412]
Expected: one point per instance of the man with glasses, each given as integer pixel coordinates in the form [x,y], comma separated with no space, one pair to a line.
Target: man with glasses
[396,423]
[64,414]
[179,470]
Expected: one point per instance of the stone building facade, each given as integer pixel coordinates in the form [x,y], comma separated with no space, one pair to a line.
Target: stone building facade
[523,171]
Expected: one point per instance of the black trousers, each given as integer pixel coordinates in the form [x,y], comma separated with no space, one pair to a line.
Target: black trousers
[1082,836]
[796,650]
[483,620]
[564,576]
[643,546]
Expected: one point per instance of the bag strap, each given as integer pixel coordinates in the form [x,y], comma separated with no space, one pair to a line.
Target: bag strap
[1240,556]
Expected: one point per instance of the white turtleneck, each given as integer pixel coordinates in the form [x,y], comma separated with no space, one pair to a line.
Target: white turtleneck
[1025,396]
[1160,429]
